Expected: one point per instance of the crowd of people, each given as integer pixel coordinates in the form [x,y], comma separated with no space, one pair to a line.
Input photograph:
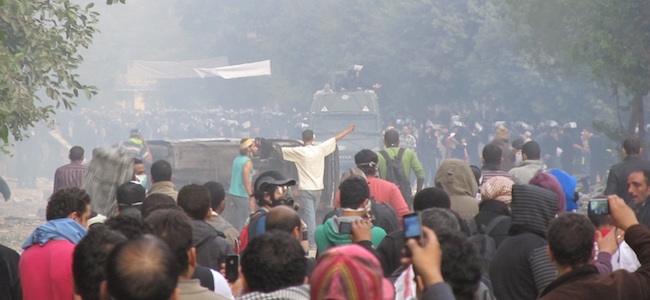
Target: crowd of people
[504,225]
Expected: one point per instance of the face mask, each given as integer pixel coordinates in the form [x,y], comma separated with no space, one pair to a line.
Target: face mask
[518,158]
[367,209]
[142,180]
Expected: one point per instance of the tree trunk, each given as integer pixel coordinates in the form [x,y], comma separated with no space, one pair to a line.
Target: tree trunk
[637,121]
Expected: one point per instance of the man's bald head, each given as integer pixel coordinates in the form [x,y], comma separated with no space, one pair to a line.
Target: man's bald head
[143,268]
[282,218]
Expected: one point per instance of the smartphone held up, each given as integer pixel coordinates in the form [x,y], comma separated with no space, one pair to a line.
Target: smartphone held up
[412,226]
[232,267]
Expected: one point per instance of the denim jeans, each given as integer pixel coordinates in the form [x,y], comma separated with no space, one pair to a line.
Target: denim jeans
[310,201]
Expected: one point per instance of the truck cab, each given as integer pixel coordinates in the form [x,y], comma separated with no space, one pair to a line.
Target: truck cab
[333,111]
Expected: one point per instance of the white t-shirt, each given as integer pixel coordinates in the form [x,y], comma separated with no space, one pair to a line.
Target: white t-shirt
[310,162]
[624,258]
[221,286]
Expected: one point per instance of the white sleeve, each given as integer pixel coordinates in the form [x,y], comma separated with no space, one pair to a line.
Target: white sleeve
[328,146]
[290,153]
[221,286]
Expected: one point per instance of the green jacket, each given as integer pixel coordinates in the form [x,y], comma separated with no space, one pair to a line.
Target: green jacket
[327,235]
[410,162]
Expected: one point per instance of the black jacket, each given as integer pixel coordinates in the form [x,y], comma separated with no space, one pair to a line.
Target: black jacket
[488,211]
[211,246]
[521,268]
[642,211]
[390,251]
[617,180]
[10,288]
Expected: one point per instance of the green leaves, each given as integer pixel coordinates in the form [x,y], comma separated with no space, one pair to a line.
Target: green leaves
[39,41]
[609,38]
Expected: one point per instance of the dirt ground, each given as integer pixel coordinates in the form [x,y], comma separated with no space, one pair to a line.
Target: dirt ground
[23,212]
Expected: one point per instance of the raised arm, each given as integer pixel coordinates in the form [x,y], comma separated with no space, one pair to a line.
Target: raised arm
[345,132]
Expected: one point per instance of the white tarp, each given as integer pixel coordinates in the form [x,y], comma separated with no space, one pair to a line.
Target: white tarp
[172,69]
[259,68]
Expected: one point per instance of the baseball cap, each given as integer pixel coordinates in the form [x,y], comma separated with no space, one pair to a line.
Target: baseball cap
[272,177]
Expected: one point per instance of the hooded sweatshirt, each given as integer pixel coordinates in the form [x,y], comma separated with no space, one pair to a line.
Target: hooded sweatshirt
[327,235]
[456,178]
[568,184]
[521,268]
[211,246]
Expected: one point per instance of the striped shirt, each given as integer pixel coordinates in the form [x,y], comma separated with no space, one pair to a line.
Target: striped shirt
[70,175]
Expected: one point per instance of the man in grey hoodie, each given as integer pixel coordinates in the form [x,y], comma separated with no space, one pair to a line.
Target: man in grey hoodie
[456,178]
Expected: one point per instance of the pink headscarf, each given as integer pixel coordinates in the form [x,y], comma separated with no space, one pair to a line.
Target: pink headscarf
[349,272]
[497,188]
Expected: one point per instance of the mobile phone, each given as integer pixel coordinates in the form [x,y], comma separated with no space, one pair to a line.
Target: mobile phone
[345,227]
[598,206]
[412,226]
[232,267]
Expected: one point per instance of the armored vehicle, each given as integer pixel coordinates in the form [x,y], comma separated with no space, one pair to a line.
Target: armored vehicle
[332,111]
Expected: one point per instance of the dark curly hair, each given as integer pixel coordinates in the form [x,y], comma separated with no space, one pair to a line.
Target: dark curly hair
[66,201]
[89,259]
[273,261]
[461,264]
[571,239]
[354,191]
[130,226]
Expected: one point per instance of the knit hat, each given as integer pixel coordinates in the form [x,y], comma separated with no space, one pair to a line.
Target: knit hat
[550,182]
[497,188]
[349,272]
[502,133]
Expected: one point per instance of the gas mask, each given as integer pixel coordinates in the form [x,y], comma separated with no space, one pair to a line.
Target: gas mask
[285,199]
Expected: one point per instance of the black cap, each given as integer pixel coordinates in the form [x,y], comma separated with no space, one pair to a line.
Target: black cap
[130,194]
[135,132]
[272,177]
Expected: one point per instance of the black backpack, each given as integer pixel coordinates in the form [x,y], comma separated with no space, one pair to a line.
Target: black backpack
[395,173]
[484,243]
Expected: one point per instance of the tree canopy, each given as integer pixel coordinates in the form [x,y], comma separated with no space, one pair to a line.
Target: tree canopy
[493,59]
[39,43]
[610,39]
